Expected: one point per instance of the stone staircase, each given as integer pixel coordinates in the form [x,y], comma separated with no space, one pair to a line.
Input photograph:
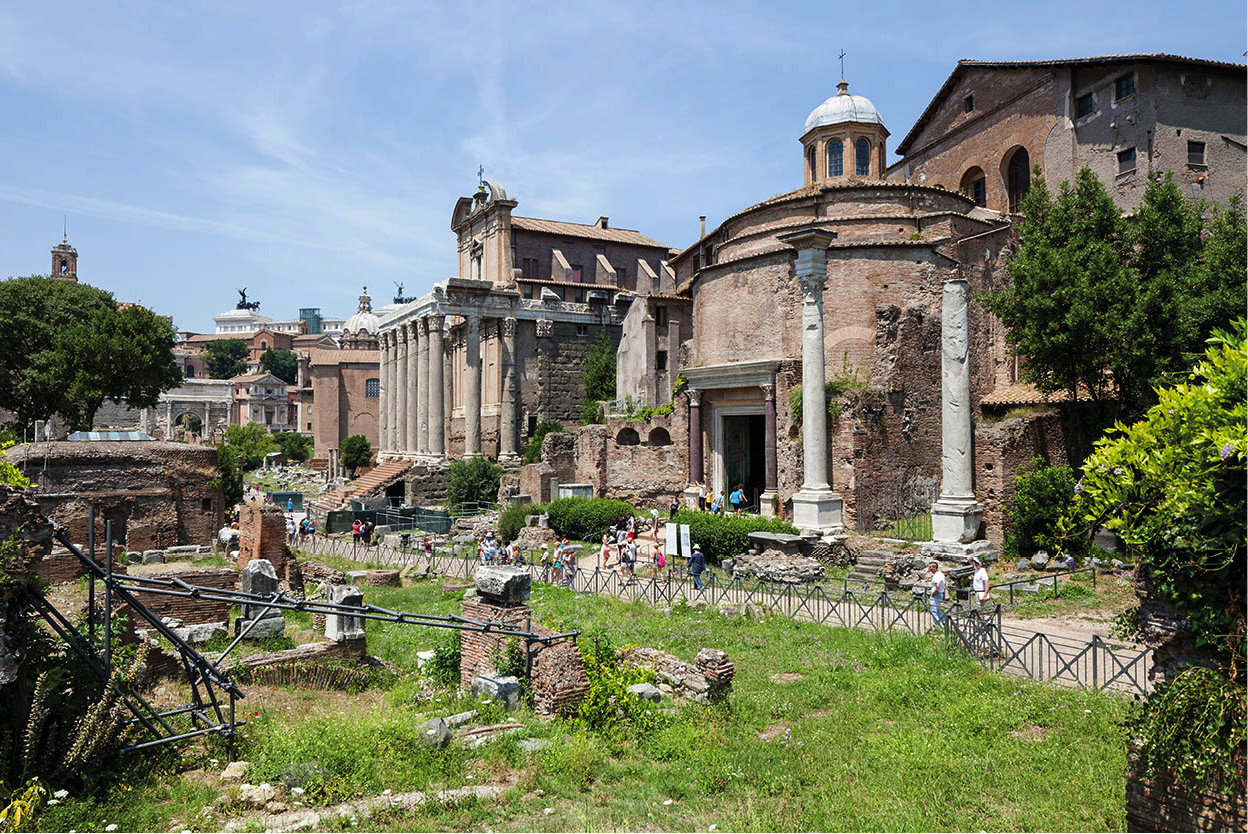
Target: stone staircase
[376,479]
[868,566]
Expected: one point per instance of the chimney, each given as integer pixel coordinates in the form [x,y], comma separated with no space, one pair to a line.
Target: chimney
[602,223]
[702,227]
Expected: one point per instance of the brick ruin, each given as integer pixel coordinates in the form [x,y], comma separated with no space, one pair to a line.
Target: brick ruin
[262,535]
[1161,805]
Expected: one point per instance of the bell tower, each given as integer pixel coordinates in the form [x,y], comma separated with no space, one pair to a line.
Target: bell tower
[65,261]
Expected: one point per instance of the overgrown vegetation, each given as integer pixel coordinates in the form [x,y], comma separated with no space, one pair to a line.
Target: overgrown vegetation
[1044,498]
[355,451]
[598,377]
[585,519]
[283,364]
[609,709]
[511,519]
[533,449]
[833,390]
[473,480]
[293,445]
[726,536]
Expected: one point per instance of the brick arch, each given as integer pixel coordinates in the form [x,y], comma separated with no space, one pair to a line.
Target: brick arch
[1015,176]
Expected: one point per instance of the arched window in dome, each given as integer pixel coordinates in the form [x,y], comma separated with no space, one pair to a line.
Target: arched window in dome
[862,158]
[836,158]
[810,162]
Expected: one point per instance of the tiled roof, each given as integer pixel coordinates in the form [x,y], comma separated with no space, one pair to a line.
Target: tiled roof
[329,356]
[1024,393]
[1157,57]
[582,230]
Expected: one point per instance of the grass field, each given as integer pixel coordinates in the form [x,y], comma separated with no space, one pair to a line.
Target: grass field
[827,730]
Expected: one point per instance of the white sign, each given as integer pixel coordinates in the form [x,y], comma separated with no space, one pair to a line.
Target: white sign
[685,549]
[670,548]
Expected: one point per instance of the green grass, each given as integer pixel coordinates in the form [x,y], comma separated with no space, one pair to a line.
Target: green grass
[1076,595]
[915,528]
[885,732]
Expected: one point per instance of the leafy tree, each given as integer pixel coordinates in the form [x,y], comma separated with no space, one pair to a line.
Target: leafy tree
[293,445]
[226,358]
[10,474]
[251,443]
[193,423]
[598,377]
[65,347]
[1110,307]
[230,477]
[474,480]
[1043,497]
[356,451]
[533,449]
[283,364]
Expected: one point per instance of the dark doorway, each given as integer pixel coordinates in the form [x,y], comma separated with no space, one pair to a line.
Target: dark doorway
[743,456]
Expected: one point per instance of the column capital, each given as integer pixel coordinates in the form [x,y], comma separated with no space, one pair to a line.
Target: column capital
[545,327]
[695,397]
[509,327]
[812,286]
[769,391]
[383,340]
[402,333]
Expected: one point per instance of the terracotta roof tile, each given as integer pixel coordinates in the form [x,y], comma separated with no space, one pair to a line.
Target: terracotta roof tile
[327,356]
[1024,393]
[582,230]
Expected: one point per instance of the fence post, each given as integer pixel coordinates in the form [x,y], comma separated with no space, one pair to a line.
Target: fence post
[1093,569]
[1096,645]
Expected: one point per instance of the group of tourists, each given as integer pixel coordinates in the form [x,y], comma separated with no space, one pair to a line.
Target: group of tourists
[736,500]
[362,532]
[938,588]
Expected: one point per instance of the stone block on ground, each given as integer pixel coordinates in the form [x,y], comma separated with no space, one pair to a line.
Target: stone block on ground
[340,627]
[385,577]
[503,584]
[646,692]
[235,771]
[435,734]
[153,557]
[459,719]
[1039,560]
[505,689]
[357,577]
[423,658]
[258,577]
[777,566]
[532,745]
[273,626]
[1022,565]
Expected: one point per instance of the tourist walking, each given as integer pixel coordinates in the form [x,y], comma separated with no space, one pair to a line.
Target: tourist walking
[737,499]
[606,546]
[701,496]
[290,530]
[979,583]
[621,538]
[717,504]
[697,564]
[936,594]
[355,532]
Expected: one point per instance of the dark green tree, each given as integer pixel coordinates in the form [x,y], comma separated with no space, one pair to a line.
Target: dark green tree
[250,443]
[598,377]
[473,480]
[229,474]
[226,358]
[293,445]
[533,449]
[65,347]
[356,451]
[283,364]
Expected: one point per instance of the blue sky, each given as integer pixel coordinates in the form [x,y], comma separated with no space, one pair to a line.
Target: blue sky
[304,149]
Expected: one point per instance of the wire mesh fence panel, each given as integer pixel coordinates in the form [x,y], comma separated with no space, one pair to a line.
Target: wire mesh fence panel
[899,509]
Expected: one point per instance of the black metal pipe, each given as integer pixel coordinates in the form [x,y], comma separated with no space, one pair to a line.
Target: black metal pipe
[108,598]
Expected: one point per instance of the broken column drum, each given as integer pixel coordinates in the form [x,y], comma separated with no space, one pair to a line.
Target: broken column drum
[339,627]
[259,577]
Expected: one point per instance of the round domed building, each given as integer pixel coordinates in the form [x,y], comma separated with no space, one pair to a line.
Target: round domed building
[839,285]
[360,331]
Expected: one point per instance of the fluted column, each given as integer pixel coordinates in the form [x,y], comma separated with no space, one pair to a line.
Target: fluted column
[435,390]
[509,402]
[400,391]
[472,387]
[815,506]
[422,387]
[413,365]
[383,422]
[392,392]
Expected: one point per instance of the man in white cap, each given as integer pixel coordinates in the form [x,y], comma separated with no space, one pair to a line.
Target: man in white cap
[936,594]
[697,564]
[979,583]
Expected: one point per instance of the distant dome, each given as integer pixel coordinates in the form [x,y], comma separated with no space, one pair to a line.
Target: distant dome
[842,108]
[364,318]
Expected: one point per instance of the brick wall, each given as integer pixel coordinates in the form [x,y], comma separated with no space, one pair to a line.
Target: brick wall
[190,610]
[1002,448]
[557,675]
[477,649]
[1161,805]
[262,535]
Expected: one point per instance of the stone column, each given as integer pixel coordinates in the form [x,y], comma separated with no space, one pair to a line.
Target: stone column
[472,386]
[695,447]
[956,516]
[815,507]
[392,389]
[413,377]
[383,407]
[509,401]
[422,388]
[434,391]
[400,391]
[768,499]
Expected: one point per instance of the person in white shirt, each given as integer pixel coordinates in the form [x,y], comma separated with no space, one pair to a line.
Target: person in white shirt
[937,593]
[979,584]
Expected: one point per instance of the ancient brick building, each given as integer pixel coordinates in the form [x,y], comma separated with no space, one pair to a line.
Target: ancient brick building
[156,494]
[1125,116]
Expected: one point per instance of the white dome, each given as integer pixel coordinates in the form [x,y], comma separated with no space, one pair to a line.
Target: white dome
[841,108]
[364,318]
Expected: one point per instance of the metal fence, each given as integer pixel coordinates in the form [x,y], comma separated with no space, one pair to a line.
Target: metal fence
[1096,664]
[897,511]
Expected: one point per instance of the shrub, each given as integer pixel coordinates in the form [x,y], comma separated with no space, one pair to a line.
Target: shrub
[585,519]
[472,481]
[1043,496]
[293,445]
[609,709]
[533,449]
[511,519]
[252,441]
[356,451]
[726,536]
[443,668]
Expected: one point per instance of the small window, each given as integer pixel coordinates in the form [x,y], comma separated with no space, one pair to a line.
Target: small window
[582,330]
[309,427]
[576,273]
[660,315]
[528,290]
[1084,105]
[1195,153]
[1124,86]
[309,409]
[836,158]
[1126,160]
[862,157]
[372,388]
[529,268]
[810,162]
[660,361]
[968,104]
[264,345]
[979,192]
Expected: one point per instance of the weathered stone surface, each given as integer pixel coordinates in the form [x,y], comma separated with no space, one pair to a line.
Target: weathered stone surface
[235,771]
[182,549]
[684,678]
[503,584]
[533,538]
[256,795]
[783,542]
[386,578]
[340,627]
[1022,565]
[193,634]
[435,733]
[153,557]
[272,626]
[258,577]
[776,566]
[505,689]
[1039,560]
[532,745]
[646,692]
[459,719]
[422,658]
[228,536]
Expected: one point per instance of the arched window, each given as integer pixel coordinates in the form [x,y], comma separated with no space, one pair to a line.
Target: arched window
[836,158]
[862,158]
[974,185]
[810,160]
[264,345]
[1018,178]
[628,437]
[659,437]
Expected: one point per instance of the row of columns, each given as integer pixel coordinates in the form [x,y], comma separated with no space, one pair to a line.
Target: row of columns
[414,381]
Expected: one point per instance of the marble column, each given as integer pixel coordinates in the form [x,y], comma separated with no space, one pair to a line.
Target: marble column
[695,447]
[472,386]
[392,390]
[422,387]
[400,391]
[956,515]
[383,407]
[767,500]
[434,391]
[815,507]
[509,402]
[413,375]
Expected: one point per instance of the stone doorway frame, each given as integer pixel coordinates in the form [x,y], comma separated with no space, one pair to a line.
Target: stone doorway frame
[719,468]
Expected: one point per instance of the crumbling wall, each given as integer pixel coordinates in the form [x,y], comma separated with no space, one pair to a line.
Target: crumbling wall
[1002,448]
[262,535]
[1161,805]
[23,523]
[192,610]
[556,675]
[645,473]
[424,485]
[478,649]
